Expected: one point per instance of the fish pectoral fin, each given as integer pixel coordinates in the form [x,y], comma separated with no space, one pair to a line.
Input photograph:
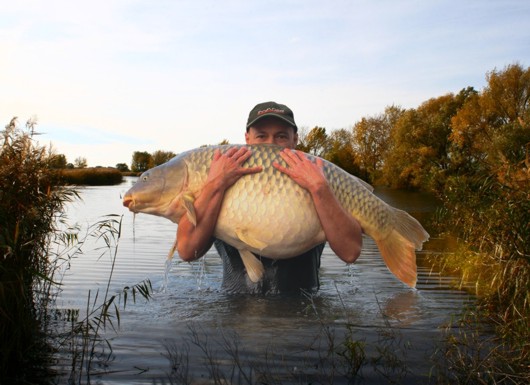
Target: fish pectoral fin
[248,239]
[187,202]
[172,250]
[253,265]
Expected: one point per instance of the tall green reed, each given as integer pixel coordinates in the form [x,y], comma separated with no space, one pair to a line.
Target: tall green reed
[31,202]
[36,246]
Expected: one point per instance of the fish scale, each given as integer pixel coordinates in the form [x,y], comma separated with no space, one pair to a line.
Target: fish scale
[268,214]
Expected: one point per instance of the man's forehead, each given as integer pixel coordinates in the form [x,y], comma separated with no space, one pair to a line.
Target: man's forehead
[272,125]
[273,128]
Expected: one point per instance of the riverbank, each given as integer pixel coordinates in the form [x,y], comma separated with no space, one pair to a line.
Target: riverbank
[490,343]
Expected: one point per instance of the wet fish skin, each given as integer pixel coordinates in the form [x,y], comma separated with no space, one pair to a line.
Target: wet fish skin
[269,214]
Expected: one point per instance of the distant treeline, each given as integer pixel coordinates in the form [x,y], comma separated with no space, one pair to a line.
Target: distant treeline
[92,176]
[468,133]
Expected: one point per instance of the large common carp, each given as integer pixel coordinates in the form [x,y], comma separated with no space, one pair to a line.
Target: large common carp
[267,213]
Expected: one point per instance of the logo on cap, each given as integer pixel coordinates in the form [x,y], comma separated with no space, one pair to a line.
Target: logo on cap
[271,111]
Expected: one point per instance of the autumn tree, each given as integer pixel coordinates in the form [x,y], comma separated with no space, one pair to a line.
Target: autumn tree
[491,137]
[341,152]
[494,126]
[421,148]
[159,157]
[314,142]
[372,141]
[141,161]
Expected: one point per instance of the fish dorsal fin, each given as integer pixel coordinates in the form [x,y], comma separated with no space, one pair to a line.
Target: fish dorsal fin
[187,202]
[365,184]
[253,265]
[248,239]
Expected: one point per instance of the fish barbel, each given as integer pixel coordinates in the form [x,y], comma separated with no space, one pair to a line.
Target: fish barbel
[269,214]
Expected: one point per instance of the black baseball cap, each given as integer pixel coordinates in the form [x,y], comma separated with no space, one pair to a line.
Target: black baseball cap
[280,111]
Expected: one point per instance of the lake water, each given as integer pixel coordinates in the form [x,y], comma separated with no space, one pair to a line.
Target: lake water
[192,332]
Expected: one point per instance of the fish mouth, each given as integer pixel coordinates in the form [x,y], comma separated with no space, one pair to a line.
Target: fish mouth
[127,201]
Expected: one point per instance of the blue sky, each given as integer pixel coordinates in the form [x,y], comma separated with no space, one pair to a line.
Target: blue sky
[107,78]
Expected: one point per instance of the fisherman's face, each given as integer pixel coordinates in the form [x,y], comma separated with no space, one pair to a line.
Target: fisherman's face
[274,131]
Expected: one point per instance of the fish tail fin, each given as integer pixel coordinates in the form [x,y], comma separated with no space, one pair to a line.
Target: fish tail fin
[255,269]
[399,256]
[398,247]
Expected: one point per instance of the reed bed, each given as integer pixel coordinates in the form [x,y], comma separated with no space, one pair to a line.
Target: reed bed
[92,176]
[492,259]
[35,246]
[30,208]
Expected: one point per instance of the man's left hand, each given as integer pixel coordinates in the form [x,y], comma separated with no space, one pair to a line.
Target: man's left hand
[306,173]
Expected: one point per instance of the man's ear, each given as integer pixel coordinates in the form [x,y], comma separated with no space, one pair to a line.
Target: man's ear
[247,137]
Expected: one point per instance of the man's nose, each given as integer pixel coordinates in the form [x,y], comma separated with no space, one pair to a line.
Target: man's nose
[269,141]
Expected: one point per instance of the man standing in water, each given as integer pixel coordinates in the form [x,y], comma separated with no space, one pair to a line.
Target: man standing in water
[273,123]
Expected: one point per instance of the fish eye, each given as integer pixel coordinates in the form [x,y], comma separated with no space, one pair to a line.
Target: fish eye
[145,177]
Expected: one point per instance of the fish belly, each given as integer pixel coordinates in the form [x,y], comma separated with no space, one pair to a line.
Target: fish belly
[270,215]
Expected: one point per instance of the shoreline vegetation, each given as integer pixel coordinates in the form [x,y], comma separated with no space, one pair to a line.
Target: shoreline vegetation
[91,176]
[471,150]
[36,246]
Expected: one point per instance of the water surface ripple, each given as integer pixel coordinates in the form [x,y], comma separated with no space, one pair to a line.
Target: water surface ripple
[288,337]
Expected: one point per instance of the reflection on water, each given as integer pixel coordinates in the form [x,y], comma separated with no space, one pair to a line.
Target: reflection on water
[363,300]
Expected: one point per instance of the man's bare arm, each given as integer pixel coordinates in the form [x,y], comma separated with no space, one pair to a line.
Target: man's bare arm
[194,241]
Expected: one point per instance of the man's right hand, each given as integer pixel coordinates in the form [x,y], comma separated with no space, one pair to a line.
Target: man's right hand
[226,168]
